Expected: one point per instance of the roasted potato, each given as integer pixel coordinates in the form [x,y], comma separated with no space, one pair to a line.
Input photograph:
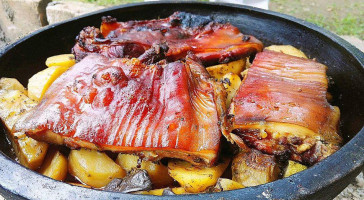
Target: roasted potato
[254,168]
[159,192]
[63,60]
[13,104]
[292,168]
[39,83]
[30,152]
[55,165]
[231,83]
[196,179]
[157,172]
[224,184]
[287,49]
[93,168]
[12,84]
[219,71]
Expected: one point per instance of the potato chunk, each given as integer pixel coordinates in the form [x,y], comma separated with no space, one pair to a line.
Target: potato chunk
[287,49]
[40,82]
[219,71]
[55,165]
[93,168]
[196,179]
[63,60]
[224,184]
[30,152]
[231,83]
[159,192]
[12,84]
[14,104]
[254,168]
[293,167]
[157,172]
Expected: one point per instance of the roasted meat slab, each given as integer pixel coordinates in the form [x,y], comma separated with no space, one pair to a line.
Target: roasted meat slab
[159,110]
[281,109]
[211,41]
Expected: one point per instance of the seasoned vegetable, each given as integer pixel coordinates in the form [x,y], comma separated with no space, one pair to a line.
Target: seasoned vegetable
[55,165]
[93,168]
[164,191]
[254,168]
[63,60]
[231,83]
[219,71]
[135,180]
[193,178]
[40,82]
[13,104]
[287,49]
[157,172]
[224,184]
[12,84]
[30,152]
[292,168]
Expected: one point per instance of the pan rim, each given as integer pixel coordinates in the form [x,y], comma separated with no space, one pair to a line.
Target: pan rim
[354,145]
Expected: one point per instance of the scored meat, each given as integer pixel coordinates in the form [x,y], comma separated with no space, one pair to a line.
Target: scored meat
[211,41]
[281,109]
[159,110]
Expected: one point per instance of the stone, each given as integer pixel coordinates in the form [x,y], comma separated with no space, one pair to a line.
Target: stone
[58,11]
[20,17]
[358,43]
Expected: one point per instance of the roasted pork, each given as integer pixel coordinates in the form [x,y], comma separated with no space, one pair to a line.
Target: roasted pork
[123,105]
[281,109]
[212,41]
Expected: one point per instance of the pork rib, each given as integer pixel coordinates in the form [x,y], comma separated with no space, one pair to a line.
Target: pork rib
[281,108]
[211,41]
[170,110]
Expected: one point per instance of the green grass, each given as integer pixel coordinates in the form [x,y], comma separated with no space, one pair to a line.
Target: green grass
[339,16]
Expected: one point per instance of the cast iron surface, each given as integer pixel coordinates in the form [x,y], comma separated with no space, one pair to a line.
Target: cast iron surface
[322,181]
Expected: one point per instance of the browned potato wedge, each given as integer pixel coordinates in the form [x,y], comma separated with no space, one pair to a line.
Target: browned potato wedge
[157,172]
[292,168]
[93,168]
[40,82]
[231,83]
[30,152]
[254,168]
[196,179]
[224,184]
[12,84]
[287,49]
[218,71]
[159,192]
[179,190]
[64,60]
[13,104]
[55,165]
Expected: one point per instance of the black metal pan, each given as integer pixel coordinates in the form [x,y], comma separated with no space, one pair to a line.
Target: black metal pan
[322,181]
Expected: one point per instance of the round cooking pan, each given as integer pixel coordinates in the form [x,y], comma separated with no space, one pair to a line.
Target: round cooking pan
[345,66]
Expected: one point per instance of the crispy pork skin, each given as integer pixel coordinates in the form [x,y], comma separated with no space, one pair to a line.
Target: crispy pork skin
[281,109]
[158,110]
[211,41]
